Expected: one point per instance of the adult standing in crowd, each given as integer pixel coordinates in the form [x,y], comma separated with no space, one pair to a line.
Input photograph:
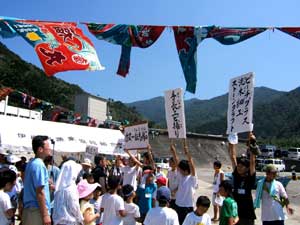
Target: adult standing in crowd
[244,177]
[274,198]
[36,185]
[100,172]
[66,208]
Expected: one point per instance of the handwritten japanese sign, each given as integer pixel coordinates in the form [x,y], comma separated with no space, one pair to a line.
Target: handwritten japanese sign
[240,104]
[174,106]
[136,137]
[90,152]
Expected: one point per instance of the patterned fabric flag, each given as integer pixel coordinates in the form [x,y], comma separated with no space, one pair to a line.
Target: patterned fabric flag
[187,40]
[293,31]
[60,46]
[5,92]
[229,36]
[126,36]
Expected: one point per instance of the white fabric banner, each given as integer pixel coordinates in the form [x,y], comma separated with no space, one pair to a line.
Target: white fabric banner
[16,133]
[174,106]
[240,104]
[136,137]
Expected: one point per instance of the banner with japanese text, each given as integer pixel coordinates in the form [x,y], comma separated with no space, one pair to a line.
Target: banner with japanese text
[136,137]
[60,46]
[175,116]
[240,104]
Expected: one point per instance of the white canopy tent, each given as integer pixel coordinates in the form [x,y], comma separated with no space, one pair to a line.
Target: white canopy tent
[16,135]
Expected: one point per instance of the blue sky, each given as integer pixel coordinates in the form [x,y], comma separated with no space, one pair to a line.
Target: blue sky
[272,56]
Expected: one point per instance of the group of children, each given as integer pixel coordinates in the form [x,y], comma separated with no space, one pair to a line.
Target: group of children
[157,199]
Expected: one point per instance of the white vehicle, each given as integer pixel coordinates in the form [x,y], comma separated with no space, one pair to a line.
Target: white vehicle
[260,163]
[294,153]
[267,151]
[278,163]
[162,163]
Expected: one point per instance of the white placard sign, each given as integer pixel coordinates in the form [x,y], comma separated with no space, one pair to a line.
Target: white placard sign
[240,104]
[174,106]
[136,137]
[90,152]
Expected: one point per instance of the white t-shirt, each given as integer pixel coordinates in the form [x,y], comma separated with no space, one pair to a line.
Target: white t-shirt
[5,205]
[112,204]
[172,181]
[132,212]
[272,210]
[186,190]
[161,216]
[217,181]
[193,219]
[129,175]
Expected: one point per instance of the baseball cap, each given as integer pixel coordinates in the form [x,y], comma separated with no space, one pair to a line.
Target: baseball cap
[163,193]
[161,180]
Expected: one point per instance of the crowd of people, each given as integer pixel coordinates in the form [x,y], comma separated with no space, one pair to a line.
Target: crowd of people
[133,190]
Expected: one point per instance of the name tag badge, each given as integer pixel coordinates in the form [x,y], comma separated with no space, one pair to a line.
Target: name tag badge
[147,195]
[241,191]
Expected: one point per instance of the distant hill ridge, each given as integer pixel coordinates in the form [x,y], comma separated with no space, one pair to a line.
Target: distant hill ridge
[276,113]
[25,77]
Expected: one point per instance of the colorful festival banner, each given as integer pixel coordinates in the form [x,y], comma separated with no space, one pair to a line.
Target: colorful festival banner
[240,104]
[60,46]
[127,36]
[187,40]
[6,31]
[175,116]
[293,31]
[5,92]
[233,35]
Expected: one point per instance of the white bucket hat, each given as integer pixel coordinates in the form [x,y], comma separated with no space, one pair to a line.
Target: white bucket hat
[12,158]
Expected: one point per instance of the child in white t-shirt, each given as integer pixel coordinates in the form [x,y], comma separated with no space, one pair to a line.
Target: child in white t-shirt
[131,209]
[7,182]
[199,216]
[112,204]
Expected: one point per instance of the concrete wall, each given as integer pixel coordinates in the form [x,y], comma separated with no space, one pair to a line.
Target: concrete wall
[91,106]
[97,109]
[204,149]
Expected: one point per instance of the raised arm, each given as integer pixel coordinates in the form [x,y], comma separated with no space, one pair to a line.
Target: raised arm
[174,154]
[252,147]
[152,163]
[134,158]
[189,157]
[232,155]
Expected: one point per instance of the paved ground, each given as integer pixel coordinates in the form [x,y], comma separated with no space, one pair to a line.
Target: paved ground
[293,190]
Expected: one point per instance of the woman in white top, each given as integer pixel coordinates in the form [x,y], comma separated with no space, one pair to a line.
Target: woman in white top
[66,208]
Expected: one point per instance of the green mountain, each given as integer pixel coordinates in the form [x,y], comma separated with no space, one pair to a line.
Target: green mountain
[200,114]
[27,78]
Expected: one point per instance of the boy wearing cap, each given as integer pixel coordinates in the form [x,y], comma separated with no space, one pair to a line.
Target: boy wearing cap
[273,196]
[244,177]
[162,215]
